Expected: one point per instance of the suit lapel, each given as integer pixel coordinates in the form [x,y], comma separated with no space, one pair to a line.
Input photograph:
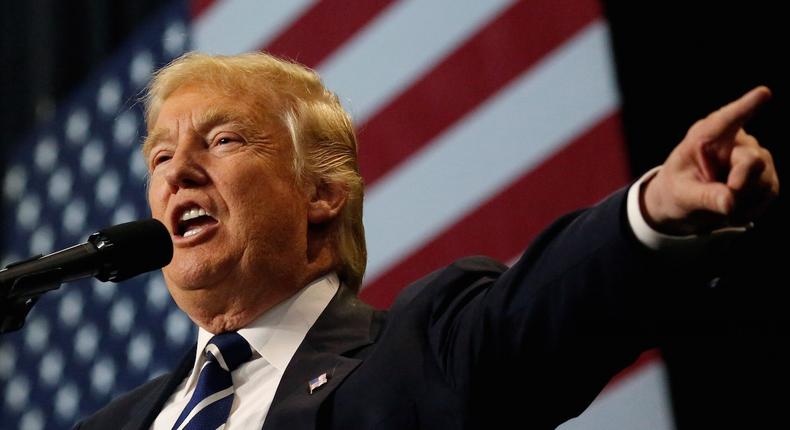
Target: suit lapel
[345,326]
[146,411]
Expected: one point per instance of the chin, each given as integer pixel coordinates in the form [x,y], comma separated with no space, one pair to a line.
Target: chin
[194,275]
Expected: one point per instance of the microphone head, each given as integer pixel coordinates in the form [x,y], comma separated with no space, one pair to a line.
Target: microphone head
[132,248]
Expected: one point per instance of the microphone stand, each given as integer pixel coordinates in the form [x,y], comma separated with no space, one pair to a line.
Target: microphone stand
[112,254]
[17,299]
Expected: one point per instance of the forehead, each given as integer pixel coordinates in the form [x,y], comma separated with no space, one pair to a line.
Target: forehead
[203,104]
[202,107]
[260,99]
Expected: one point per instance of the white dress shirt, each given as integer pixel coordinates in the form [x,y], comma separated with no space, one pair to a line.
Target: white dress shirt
[276,335]
[680,246]
[274,338]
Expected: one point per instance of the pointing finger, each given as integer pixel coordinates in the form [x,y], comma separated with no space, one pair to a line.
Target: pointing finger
[731,117]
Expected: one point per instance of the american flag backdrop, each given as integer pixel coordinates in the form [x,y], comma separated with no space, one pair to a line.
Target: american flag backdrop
[479,122]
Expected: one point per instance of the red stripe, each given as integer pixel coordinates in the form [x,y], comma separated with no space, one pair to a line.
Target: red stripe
[517,39]
[197,7]
[323,28]
[649,357]
[576,176]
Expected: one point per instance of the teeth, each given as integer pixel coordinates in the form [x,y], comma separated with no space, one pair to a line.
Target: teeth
[192,232]
[193,213]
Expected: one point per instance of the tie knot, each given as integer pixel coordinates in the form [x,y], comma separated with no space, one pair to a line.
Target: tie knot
[229,349]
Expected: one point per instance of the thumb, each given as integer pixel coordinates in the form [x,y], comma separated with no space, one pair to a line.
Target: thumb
[713,197]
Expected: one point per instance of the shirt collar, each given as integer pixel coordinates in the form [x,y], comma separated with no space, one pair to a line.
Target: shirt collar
[278,332]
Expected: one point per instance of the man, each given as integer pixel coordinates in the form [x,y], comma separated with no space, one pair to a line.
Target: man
[253,170]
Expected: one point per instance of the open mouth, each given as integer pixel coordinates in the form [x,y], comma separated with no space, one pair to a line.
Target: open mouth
[193,221]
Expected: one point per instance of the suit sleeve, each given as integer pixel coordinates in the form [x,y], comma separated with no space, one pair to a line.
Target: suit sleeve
[543,337]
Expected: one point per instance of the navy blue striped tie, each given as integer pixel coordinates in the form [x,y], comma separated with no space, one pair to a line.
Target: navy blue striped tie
[209,406]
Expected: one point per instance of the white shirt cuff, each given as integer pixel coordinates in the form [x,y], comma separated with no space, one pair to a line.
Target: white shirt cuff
[658,241]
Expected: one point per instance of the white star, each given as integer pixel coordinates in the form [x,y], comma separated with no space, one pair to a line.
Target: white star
[77,126]
[103,376]
[124,213]
[36,334]
[137,167]
[156,292]
[51,368]
[28,211]
[32,420]
[66,400]
[70,308]
[177,327]
[92,157]
[139,351]
[85,341]
[109,96]
[60,184]
[16,392]
[141,68]
[7,360]
[125,129]
[122,316]
[74,216]
[107,188]
[14,183]
[174,39]
[104,291]
[42,240]
[46,154]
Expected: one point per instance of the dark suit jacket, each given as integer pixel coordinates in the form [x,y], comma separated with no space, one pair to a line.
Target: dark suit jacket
[471,345]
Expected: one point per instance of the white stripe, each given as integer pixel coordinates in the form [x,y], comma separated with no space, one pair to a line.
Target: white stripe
[571,90]
[235,26]
[639,401]
[217,354]
[401,44]
[219,395]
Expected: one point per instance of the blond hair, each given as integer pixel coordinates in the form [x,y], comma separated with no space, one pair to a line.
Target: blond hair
[325,146]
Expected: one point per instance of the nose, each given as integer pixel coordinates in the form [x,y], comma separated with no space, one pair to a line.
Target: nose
[185,169]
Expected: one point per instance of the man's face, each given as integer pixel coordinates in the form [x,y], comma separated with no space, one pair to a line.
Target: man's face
[221,181]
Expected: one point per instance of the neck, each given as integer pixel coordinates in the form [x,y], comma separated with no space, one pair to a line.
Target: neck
[217,311]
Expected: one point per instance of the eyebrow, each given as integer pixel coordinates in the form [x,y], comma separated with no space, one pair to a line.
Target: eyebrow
[153,139]
[215,116]
[205,121]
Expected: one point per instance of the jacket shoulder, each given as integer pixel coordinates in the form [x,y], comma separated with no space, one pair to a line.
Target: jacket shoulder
[455,277]
[123,408]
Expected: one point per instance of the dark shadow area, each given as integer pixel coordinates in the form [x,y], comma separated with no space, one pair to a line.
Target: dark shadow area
[676,64]
[48,47]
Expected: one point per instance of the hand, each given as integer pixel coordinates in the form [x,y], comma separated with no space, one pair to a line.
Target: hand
[717,176]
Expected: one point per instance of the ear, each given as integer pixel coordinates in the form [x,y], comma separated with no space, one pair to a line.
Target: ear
[327,199]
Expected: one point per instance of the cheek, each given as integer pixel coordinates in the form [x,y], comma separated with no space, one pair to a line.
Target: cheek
[156,198]
[274,208]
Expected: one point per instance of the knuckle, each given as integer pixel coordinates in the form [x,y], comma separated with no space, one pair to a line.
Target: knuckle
[766,155]
[751,140]
[699,128]
[747,154]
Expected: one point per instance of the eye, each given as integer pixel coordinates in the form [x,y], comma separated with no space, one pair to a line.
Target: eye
[226,138]
[160,158]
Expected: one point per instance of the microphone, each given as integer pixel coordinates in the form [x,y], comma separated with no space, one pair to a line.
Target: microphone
[113,254]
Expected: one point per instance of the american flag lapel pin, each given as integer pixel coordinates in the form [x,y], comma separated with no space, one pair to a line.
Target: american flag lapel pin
[317,382]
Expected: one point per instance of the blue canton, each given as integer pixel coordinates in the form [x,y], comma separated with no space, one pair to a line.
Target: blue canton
[88,342]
